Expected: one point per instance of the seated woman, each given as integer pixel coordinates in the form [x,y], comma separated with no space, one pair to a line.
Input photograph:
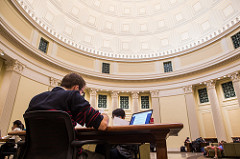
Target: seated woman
[215,148]
[11,147]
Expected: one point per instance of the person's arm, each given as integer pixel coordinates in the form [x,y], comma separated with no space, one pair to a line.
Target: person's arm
[104,123]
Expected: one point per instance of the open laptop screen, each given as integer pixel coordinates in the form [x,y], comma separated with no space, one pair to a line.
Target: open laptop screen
[140,118]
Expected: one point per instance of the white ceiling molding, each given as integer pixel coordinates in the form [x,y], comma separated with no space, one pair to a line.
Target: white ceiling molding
[166,49]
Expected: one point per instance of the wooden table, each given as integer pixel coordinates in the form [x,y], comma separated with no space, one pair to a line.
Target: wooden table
[150,133]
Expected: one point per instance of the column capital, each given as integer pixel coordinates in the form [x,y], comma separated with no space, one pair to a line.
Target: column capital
[93,91]
[135,95]
[210,84]
[15,65]
[114,94]
[235,77]
[54,82]
[188,89]
[154,93]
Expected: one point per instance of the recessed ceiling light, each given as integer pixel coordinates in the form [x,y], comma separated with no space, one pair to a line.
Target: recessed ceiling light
[2,54]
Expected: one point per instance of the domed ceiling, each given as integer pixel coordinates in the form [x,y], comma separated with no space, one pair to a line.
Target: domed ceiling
[133,29]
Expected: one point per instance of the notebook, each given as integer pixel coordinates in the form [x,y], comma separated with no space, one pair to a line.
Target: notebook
[140,118]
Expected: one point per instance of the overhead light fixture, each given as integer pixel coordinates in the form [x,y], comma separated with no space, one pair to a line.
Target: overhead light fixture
[2,54]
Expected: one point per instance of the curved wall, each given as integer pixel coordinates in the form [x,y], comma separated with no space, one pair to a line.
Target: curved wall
[26,71]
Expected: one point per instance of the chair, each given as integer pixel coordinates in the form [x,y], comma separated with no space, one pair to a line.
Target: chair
[50,135]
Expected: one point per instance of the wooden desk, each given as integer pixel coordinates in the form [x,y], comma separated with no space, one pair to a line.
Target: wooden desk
[150,133]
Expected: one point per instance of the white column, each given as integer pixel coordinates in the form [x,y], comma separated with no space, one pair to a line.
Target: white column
[114,96]
[135,103]
[236,85]
[8,92]
[192,114]
[216,111]
[93,97]
[155,106]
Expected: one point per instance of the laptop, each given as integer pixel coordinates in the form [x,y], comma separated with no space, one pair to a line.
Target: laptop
[142,117]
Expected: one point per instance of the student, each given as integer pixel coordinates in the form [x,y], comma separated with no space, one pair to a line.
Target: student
[215,148]
[123,151]
[68,97]
[118,151]
[8,146]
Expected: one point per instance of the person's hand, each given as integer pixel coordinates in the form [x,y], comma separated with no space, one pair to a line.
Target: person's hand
[104,122]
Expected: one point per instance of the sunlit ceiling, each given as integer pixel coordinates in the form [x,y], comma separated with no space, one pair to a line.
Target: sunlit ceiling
[133,28]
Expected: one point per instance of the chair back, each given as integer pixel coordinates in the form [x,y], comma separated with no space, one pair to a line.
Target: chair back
[48,135]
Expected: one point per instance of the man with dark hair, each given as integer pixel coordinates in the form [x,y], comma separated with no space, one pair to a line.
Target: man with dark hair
[68,98]
[123,151]
[118,113]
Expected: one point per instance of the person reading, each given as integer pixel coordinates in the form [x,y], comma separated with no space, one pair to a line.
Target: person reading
[10,146]
[124,151]
[68,97]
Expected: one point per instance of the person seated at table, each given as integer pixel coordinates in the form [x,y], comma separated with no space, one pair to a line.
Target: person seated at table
[11,146]
[120,151]
[215,148]
[68,97]
[236,140]
[187,140]
[124,151]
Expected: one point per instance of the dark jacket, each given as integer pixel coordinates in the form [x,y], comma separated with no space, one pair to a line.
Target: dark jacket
[70,101]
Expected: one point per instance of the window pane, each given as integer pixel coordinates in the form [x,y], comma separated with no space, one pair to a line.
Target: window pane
[124,102]
[228,90]
[102,101]
[203,96]
[236,40]
[145,102]
[167,66]
[105,68]
[43,45]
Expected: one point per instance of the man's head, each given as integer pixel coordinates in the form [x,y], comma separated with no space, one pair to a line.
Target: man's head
[118,113]
[73,81]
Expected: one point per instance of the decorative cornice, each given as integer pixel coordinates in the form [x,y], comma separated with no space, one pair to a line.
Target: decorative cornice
[54,82]
[188,89]
[72,68]
[154,93]
[15,66]
[235,77]
[210,84]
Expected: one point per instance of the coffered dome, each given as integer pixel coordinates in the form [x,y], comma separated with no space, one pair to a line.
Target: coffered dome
[135,29]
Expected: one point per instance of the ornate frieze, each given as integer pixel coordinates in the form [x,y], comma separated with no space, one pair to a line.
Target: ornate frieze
[114,94]
[15,66]
[54,82]
[235,77]
[154,93]
[135,95]
[93,92]
[210,84]
[188,89]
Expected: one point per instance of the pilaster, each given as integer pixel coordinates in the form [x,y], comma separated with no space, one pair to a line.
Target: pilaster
[155,106]
[135,103]
[216,111]
[8,91]
[93,98]
[114,96]
[191,110]
[235,77]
